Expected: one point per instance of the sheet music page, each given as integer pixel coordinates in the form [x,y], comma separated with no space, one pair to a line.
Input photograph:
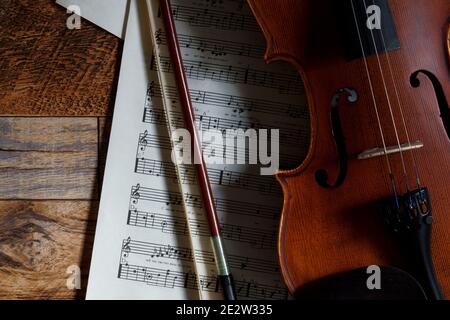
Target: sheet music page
[152,239]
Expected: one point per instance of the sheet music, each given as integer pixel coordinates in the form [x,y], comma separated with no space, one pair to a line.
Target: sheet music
[152,239]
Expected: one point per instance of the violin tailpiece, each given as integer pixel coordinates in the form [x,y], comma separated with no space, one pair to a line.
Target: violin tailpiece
[410,217]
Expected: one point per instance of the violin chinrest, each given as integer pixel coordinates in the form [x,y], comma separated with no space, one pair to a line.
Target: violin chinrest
[396,284]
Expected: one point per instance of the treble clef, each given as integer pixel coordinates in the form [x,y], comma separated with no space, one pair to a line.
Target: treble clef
[126,248]
[143,142]
[135,195]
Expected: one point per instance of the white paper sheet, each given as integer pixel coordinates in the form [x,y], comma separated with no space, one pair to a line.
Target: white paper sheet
[107,14]
[152,241]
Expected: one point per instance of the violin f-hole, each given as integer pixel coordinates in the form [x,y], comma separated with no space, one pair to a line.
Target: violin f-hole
[440,95]
[339,140]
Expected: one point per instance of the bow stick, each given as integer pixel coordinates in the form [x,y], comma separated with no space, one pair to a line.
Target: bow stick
[224,274]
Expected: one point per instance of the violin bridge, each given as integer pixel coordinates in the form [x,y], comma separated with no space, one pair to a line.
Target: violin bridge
[378,152]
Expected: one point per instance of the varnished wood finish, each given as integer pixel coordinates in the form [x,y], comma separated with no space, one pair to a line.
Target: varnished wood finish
[323,231]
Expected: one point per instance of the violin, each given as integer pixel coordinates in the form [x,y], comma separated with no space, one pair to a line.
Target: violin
[374,189]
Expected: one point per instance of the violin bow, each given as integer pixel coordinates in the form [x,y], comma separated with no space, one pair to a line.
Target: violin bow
[225,277]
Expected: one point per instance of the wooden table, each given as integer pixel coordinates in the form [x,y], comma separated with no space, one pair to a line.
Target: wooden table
[56,96]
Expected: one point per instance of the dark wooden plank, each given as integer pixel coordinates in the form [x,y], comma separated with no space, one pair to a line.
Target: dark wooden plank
[104,126]
[47,69]
[48,158]
[39,241]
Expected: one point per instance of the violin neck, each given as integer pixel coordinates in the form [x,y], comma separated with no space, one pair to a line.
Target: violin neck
[377,30]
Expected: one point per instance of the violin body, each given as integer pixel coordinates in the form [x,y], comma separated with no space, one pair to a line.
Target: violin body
[332,221]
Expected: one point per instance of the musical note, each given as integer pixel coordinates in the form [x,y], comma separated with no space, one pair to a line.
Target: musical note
[289,135]
[154,115]
[217,3]
[286,84]
[215,19]
[236,103]
[168,223]
[240,154]
[166,169]
[222,205]
[167,278]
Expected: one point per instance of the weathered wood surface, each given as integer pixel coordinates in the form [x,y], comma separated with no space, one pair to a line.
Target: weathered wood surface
[104,131]
[47,69]
[50,168]
[39,241]
[48,158]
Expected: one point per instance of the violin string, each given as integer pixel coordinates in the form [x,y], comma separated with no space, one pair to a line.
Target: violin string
[366,64]
[399,144]
[400,104]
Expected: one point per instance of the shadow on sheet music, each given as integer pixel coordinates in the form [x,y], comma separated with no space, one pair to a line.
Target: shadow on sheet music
[232,89]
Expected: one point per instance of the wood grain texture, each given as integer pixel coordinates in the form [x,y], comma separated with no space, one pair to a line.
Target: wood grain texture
[47,69]
[104,131]
[40,239]
[48,158]
[38,242]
